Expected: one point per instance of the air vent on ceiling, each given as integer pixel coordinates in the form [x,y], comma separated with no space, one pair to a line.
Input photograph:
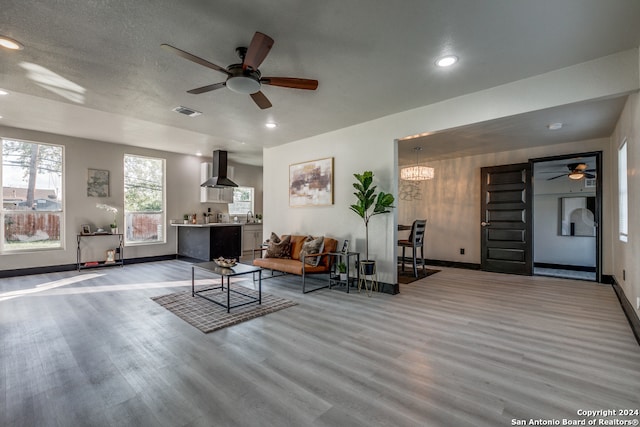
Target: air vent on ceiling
[187,111]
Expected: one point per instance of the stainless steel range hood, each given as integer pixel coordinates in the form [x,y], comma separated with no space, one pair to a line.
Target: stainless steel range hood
[219,172]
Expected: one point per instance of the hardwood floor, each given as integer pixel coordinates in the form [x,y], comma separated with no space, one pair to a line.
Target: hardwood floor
[459,348]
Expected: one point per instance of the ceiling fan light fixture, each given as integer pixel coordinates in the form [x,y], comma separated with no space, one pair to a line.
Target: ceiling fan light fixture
[243,84]
[576,175]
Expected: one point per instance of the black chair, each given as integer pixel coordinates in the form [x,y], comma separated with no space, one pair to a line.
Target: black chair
[415,241]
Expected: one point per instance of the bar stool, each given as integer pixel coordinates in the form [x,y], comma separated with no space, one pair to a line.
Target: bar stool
[415,241]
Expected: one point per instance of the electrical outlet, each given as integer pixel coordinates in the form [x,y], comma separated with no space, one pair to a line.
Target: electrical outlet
[461,251]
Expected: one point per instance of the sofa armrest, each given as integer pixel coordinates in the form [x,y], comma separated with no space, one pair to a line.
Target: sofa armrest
[315,256]
[258,251]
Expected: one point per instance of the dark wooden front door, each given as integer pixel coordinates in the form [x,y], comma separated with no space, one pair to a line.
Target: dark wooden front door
[506,219]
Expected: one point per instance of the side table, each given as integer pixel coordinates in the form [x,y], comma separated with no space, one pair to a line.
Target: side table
[334,276]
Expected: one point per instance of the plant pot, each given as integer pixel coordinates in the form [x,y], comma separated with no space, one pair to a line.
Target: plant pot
[114,230]
[186,221]
[343,277]
[368,267]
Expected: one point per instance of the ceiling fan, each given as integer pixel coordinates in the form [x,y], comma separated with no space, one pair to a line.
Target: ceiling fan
[245,77]
[576,171]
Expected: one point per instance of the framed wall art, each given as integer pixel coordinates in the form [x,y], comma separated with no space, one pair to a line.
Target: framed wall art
[98,183]
[311,183]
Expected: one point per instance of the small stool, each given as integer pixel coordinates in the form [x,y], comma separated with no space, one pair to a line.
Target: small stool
[370,279]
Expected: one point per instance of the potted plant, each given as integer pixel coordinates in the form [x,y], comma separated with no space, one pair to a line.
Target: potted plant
[342,269]
[114,224]
[368,205]
[185,219]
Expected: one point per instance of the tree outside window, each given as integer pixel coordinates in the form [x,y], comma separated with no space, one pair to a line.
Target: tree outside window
[144,199]
[32,201]
[242,201]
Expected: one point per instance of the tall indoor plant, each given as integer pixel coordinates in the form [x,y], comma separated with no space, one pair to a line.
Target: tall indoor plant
[369,204]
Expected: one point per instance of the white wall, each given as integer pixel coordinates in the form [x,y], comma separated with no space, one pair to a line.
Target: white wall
[370,146]
[549,246]
[627,254]
[182,189]
[337,221]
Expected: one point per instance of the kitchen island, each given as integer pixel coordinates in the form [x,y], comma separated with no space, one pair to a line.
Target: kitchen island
[207,242]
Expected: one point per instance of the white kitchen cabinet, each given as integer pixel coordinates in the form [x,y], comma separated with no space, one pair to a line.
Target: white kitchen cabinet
[214,195]
[251,238]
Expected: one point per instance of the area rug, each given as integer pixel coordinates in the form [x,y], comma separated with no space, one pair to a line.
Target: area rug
[209,317]
[408,277]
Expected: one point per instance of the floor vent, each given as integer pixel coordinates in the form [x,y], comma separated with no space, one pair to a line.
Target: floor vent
[187,111]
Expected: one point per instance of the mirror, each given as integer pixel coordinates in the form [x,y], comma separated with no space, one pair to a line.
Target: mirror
[577,216]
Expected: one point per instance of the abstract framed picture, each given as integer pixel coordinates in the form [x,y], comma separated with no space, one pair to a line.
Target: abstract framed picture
[311,183]
[98,183]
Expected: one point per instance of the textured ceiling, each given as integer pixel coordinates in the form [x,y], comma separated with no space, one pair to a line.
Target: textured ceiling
[94,69]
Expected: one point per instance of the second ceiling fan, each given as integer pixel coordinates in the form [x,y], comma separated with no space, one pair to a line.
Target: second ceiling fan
[576,171]
[245,77]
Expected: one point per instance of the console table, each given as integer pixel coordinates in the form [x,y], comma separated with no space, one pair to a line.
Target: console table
[118,255]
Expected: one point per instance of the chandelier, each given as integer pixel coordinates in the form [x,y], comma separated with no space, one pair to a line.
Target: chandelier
[417,172]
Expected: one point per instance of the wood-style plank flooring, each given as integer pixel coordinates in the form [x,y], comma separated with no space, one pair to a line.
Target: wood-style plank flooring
[459,348]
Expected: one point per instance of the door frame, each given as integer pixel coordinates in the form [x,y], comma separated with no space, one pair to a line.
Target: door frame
[598,212]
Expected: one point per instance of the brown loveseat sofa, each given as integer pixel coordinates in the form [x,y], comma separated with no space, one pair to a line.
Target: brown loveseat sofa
[296,263]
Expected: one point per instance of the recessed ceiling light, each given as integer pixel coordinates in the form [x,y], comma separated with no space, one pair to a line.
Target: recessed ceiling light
[3,92]
[10,43]
[198,154]
[555,126]
[446,61]
[271,125]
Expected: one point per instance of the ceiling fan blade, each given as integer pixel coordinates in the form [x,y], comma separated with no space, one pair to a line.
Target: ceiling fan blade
[290,82]
[589,175]
[207,88]
[258,49]
[195,59]
[261,100]
[556,177]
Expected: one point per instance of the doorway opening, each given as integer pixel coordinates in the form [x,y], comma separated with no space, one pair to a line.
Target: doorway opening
[567,206]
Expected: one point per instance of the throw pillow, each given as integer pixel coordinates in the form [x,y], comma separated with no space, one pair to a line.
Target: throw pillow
[312,245]
[278,248]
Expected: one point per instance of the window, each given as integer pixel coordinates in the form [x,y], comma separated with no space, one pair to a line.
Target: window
[623,204]
[242,201]
[144,199]
[32,203]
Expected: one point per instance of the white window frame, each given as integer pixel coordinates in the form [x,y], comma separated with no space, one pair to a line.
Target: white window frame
[60,213]
[231,209]
[623,193]
[162,235]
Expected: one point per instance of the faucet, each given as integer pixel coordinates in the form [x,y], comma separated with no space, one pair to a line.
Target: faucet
[250,215]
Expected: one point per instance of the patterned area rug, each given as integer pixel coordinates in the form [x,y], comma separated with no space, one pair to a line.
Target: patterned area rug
[209,317]
[408,277]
